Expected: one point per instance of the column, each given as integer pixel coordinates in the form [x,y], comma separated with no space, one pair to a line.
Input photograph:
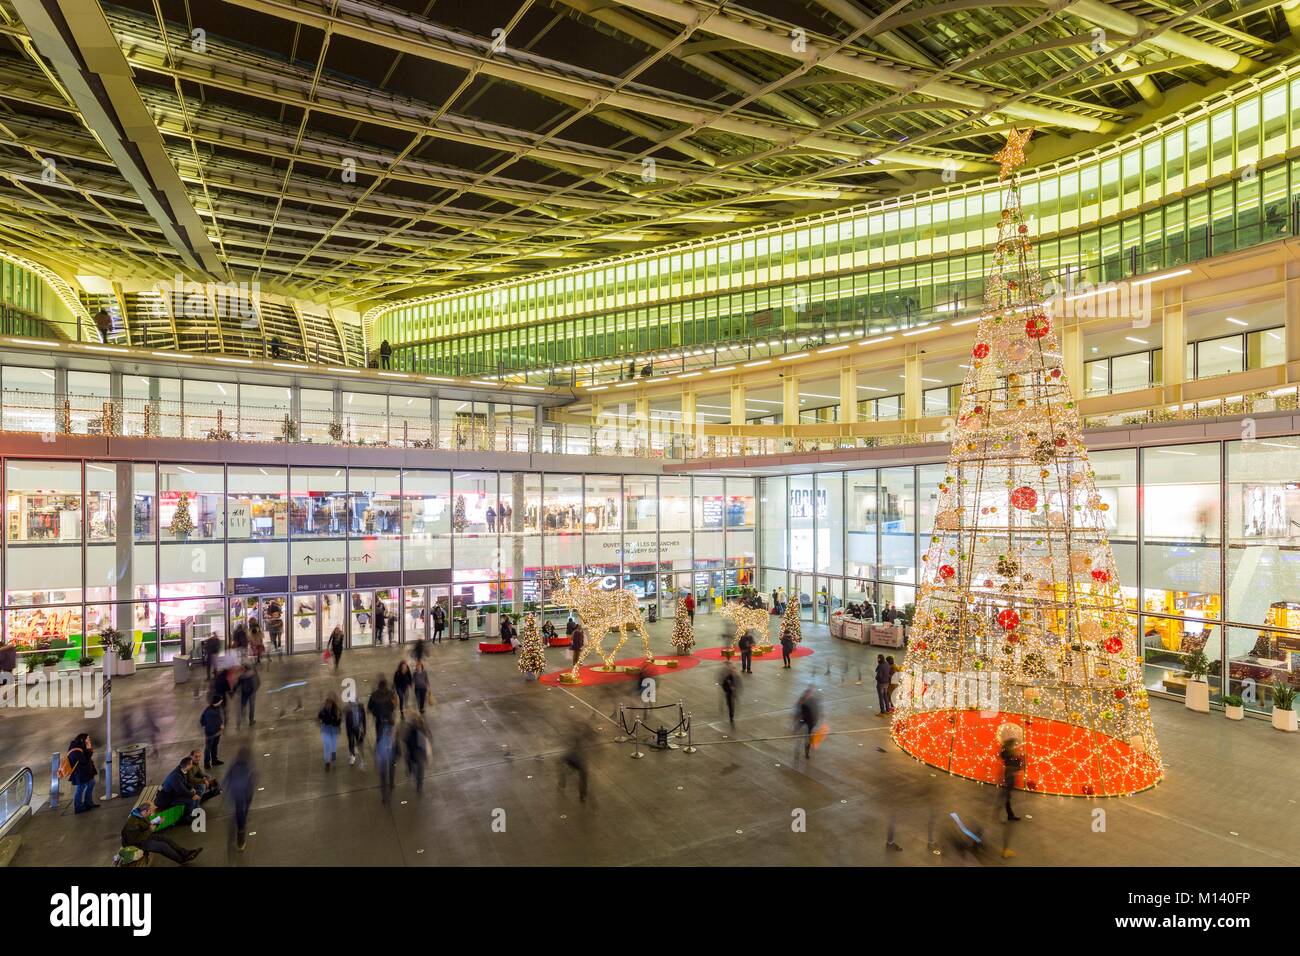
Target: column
[848,394]
[738,403]
[1072,360]
[124,548]
[1173,343]
[913,406]
[790,400]
[1293,312]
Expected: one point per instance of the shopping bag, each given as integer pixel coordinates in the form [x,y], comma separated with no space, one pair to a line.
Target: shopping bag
[819,734]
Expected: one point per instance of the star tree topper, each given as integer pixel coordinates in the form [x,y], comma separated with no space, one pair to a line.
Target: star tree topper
[1012,155]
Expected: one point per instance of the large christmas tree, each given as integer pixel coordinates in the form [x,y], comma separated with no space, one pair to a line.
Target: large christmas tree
[683,632]
[182,525]
[532,652]
[1020,627]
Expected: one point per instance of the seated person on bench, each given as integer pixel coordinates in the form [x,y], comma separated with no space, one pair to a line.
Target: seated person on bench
[176,789]
[199,782]
[138,832]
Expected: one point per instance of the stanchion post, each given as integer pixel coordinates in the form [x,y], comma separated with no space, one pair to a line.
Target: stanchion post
[681,720]
[690,747]
[636,744]
[55,759]
[622,723]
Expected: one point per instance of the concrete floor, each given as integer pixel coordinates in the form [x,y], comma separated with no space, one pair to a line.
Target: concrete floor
[1229,798]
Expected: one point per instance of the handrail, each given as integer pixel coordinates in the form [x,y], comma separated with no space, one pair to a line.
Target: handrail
[13,810]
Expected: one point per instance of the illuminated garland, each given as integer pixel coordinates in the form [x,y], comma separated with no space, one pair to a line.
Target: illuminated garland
[1020,627]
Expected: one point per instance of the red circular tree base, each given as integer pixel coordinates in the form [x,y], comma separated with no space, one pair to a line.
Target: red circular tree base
[715,654]
[591,675]
[1060,758]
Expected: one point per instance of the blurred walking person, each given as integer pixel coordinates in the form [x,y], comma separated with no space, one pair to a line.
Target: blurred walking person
[420,681]
[239,786]
[336,646]
[247,685]
[330,718]
[354,717]
[402,681]
[808,716]
[415,741]
[730,685]
[574,759]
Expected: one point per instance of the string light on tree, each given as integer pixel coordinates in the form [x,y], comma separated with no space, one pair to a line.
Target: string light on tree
[182,525]
[1020,627]
[683,631]
[790,626]
[532,651]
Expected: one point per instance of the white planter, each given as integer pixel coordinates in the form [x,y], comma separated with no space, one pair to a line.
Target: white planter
[1198,696]
[1284,720]
[124,668]
[492,628]
[1234,713]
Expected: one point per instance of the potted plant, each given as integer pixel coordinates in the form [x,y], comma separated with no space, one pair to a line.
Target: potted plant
[118,653]
[85,663]
[490,615]
[35,660]
[1284,716]
[1233,708]
[1198,688]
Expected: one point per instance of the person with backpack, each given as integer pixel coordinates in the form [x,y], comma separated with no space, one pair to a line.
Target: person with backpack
[690,607]
[78,766]
[385,354]
[330,717]
[439,622]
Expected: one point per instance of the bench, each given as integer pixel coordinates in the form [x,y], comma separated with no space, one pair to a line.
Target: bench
[492,648]
[559,641]
[168,817]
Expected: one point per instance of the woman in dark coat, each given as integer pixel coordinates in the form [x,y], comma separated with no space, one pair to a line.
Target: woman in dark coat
[336,646]
[402,681]
[81,756]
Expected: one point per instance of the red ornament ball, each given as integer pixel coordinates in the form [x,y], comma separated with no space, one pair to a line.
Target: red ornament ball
[981,350]
[1119,693]
[1060,441]
[1008,619]
[1024,498]
[946,571]
[1022,229]
[1037,326]
[1100,574]
[1056,373]
[1113,645]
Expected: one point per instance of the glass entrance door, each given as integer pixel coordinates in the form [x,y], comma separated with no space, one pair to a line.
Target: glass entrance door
[805,594]
[304,623]
[415,614]
[361,618]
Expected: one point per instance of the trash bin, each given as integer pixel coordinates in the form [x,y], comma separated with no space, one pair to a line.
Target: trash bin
[181,669]
[131,769]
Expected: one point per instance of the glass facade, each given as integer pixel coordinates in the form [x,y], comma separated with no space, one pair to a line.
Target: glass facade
[171,553]
[1206,539]
[893,262]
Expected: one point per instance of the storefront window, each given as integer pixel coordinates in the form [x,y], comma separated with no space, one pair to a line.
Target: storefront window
[897,524]
[774,518]
[803,509]
[43,531]
[830,522]
[426,520]
[121,558]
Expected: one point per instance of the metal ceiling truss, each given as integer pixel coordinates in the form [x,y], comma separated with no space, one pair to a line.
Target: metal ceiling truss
[241,168]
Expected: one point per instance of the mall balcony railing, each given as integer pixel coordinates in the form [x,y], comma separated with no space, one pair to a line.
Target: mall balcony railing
[46,414]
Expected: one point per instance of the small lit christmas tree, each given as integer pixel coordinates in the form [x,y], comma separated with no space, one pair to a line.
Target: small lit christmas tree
[532,652]
[182,525]
[790,626]
[683,632]
[458,519]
